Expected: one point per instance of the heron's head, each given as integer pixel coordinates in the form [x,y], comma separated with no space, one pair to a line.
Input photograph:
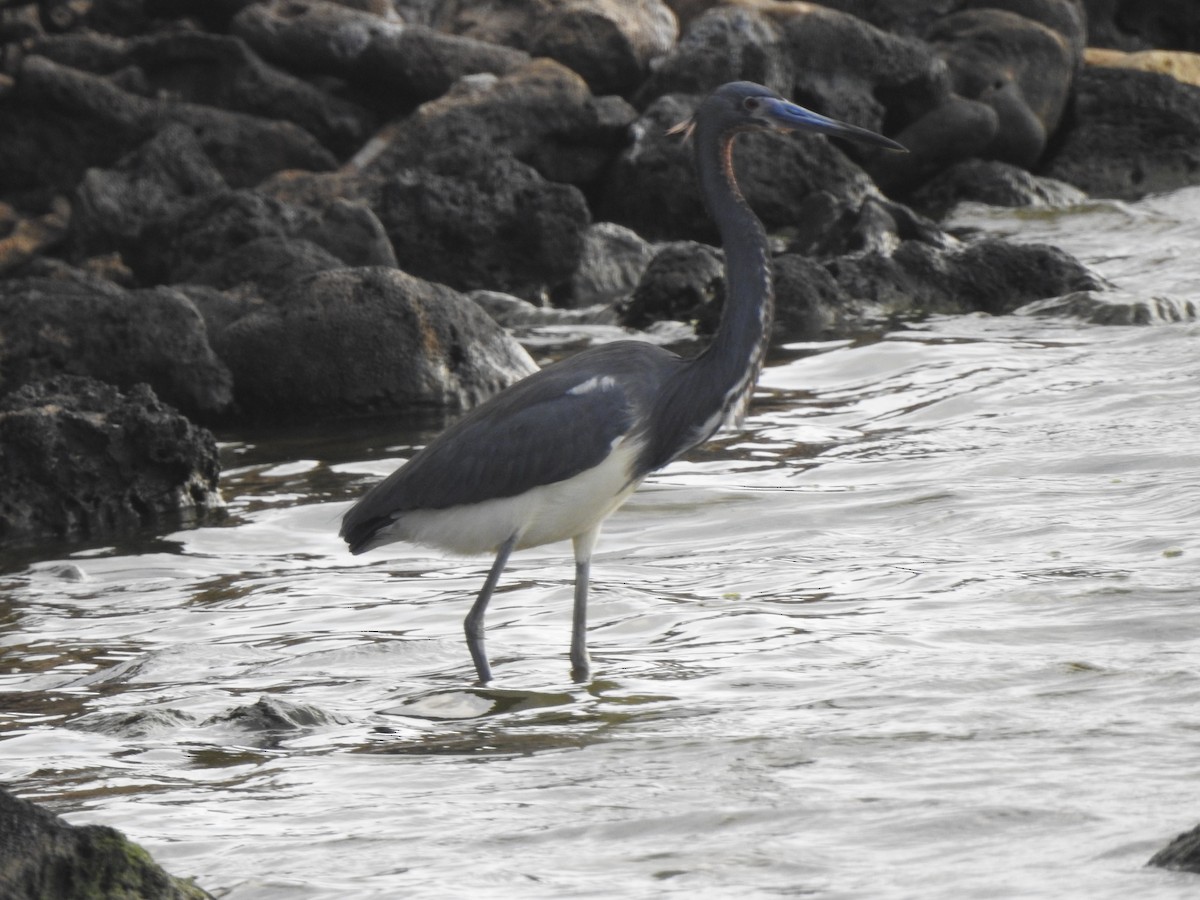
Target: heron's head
[745,106]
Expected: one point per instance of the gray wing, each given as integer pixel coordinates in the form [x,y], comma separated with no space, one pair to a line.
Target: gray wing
[548,427]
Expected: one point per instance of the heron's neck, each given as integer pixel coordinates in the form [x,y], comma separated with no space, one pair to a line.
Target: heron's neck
[732,361]
[713,388]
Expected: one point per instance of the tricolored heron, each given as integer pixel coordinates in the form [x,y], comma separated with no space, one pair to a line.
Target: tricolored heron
[554,455]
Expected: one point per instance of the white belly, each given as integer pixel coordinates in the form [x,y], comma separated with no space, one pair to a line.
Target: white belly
[551,512]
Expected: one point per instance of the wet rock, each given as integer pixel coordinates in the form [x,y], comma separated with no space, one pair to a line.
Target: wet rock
[135,723]
[85,326]
[611,43]
[272,714]
[809,304]
[828,226]
[365,341]
[725,43]
[610,265]
[492,223]
[541,113]
[90,121]
[652,188]
[400,65]
[1115,308]
[1134,133]
[685,282]
[1181,854]
[81,460]
[993,183]
[990,275]
[45,856]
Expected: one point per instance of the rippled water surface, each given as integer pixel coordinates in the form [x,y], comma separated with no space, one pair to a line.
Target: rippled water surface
[929,627]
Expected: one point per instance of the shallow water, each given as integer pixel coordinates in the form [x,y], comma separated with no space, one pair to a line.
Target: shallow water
[928,627]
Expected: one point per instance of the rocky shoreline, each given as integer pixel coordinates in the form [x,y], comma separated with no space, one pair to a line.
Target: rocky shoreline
[221,212]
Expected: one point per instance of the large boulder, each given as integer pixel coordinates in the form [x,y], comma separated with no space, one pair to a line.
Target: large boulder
[365,341]
[41,855]
[80,460]
[1134,133]
[86,326]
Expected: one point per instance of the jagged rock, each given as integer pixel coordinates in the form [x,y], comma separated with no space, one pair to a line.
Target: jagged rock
[484,223]
[44,856]
[1134,133]
[990,275]
[652,189]
[725,43]
[85,326]
[143,192]
[993,183]
[401,65]
[208,242]
[366,341]
[82,461]
[90,121]
[541,113]
[1115,308]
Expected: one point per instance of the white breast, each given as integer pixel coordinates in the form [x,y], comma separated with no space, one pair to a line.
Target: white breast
[551,512]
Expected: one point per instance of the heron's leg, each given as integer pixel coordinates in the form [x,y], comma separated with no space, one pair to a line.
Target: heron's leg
[581,668]
[473,623]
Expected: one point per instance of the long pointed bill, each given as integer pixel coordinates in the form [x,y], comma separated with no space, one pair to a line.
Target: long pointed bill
[796,118]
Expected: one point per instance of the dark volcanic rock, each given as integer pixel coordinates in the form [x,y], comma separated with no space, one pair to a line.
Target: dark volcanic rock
[611,43]
[1182,854]
[208,242]
[1134,133]
[81,460]
[610,266]
[726,43]
[1144,25]
[87,120]
[44,856]
[685,281]
[85,326]
[363,341]
[402,65]
[541,113]
[492,223]
[809,304]
[652,188]
[993,183]
[990,275]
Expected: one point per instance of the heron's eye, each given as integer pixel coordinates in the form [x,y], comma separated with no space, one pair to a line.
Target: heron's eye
[750,103]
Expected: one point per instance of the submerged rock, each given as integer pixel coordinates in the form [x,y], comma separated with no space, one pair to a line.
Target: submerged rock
[1182,854]
[1115,308]
[45,857]
[81,460]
